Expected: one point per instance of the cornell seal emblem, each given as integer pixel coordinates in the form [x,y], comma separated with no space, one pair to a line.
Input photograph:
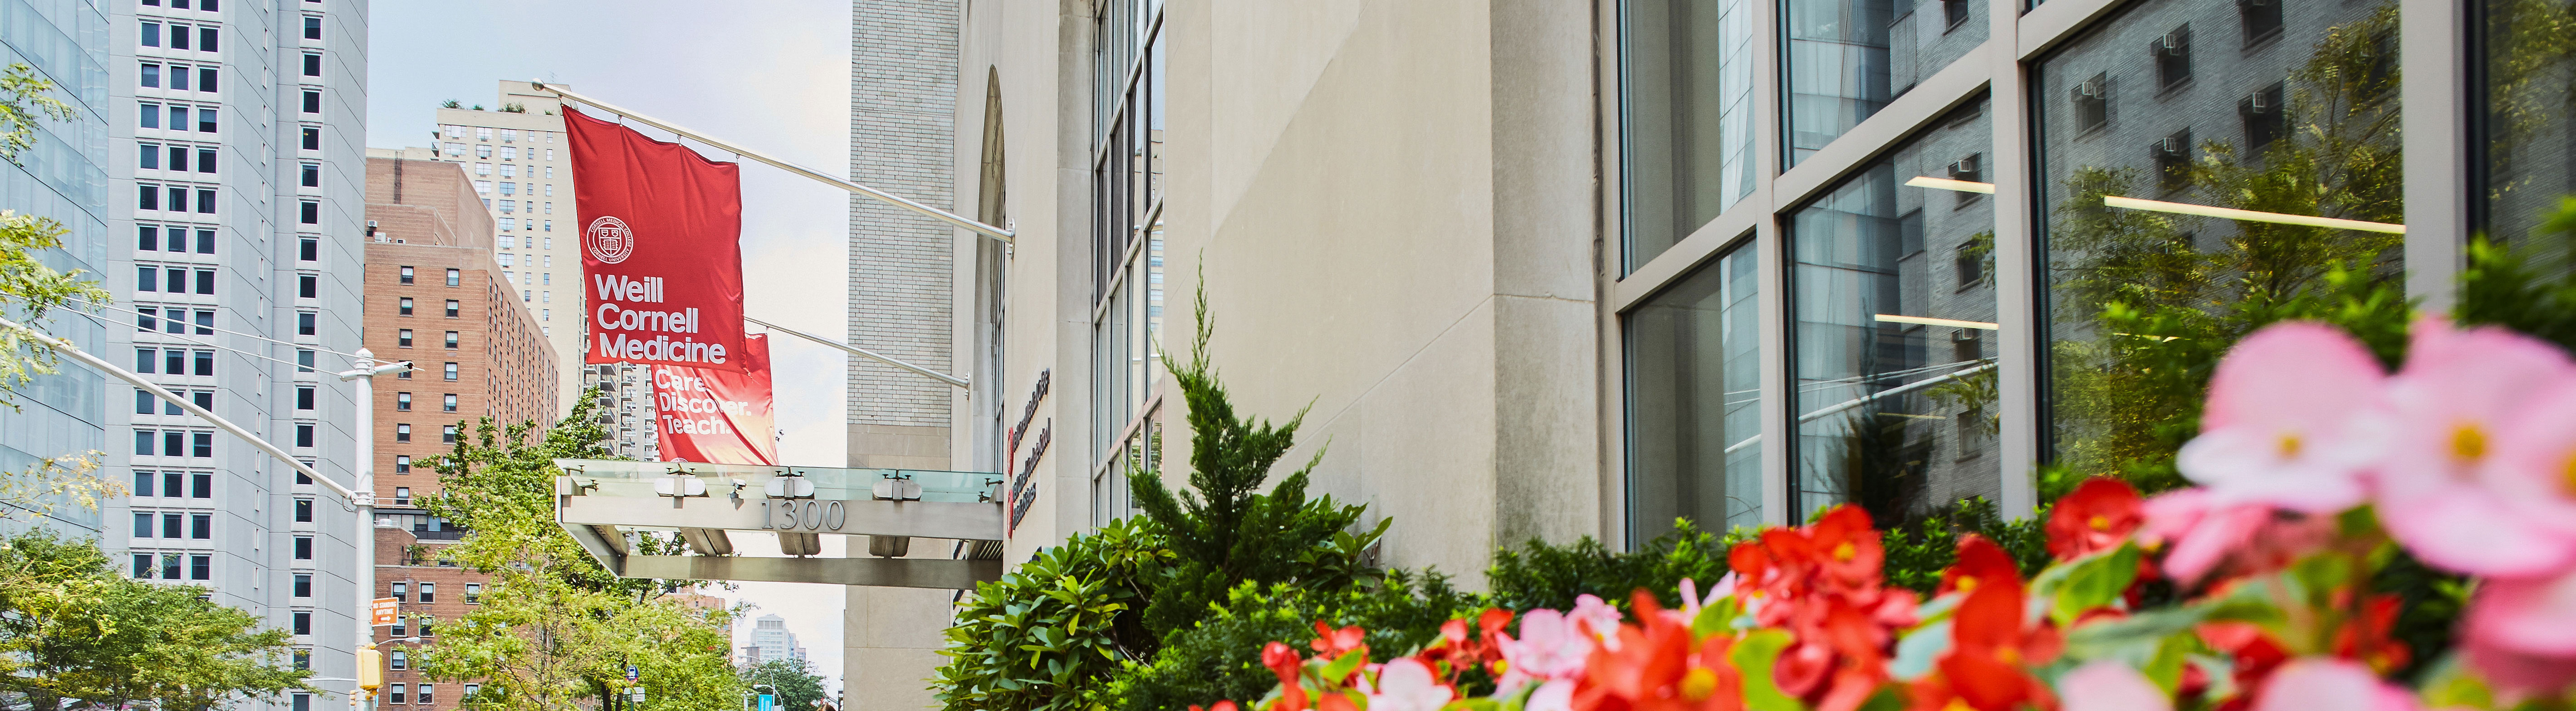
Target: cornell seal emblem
[609,239]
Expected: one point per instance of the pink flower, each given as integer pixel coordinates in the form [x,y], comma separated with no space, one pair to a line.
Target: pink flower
[2517,674]
[2521,632]
[2204,537]
[2474,422]
[1553,696]
[1406,684]
[1597,617]
[1549,648]
[2110,686]
[2280,427]
[2328,684]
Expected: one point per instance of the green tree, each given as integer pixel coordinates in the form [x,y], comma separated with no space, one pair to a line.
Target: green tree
[72,629]
[1227,532]
[798,687]
[555,631]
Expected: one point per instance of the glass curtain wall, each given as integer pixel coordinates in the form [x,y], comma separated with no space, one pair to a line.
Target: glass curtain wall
[1127,190]
[2525,141]
[1848,58]
[1892,349]
[1688,69]
[1694,399]
[2278,106]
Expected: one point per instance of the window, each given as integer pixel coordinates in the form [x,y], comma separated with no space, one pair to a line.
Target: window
[303,584]
[147,278]
[304,323]
[1689,118]
[142,524]
[147,197]
[312,68]
[303,550]
[201,567]
[201,485]
[2172,157]
[399,659]
[455,277]
[402,464]
[1693,357]
[308,286]
[451,372]
[205,38]
[205,119]
[151,34]
[473,593]
[312,176]
[303,435]
[469,692]
[205,241]
[304,396]
[2092,101]
[303,625]
[401,592]
[303,360]
[404,305]
[201,526]
[2204,147]
[428,593]
[173,566]
[205,323]
[312,27]
[144,401]
[143,566]
[451,340]
[447,434]
[150,116]
[148,156]
[143,481]
[312,102]
[452,308]
[447,402]
[205,161]
[402,433]
[483,133]
[1846,59]
[402,496]
[202,362]
[303,702]
[201,444]
[151,75]
[425,688]
[2172,53]
[406,277]
[312,138]
[303,510]
[2261,18]
[402,338]
[402,402]
[309,213]
[2264,119]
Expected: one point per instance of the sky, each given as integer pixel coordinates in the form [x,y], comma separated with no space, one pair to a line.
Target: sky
[773,76]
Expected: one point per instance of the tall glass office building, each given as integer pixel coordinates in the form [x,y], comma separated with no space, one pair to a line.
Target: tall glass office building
[62,177]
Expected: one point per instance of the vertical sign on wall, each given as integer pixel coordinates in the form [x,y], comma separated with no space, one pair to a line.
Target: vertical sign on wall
[709,415]
[661,248]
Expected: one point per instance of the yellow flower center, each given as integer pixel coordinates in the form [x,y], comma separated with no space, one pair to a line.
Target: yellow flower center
[1967,583]
[2290,446]
[1957,704]
[2468,443]
[1698,684]
[2567,478]
[1845,552]
[2008,655]
[2099,522]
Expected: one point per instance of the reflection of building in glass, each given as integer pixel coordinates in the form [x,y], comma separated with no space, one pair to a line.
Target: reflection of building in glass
[1848,58]
[1889,349]
[2285,107]
[770,641]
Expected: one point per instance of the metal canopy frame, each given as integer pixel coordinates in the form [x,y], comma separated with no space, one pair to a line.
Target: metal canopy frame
[601,502]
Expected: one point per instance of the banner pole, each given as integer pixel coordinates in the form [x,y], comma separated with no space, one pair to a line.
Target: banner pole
[942,377]
[953,219]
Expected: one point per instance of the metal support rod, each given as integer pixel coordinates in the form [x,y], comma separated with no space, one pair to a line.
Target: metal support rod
[363,378]
[942,377]
[84,358]
[953,219]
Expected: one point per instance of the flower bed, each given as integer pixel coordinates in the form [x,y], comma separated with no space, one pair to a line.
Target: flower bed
[2316,472]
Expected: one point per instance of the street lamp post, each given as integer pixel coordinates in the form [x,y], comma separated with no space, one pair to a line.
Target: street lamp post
[363,496]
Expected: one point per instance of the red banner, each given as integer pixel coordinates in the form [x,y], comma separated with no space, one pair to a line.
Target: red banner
[715,416]
[661,248]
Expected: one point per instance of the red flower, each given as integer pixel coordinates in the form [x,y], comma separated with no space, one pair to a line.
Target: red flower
[2365,638]
[1992,651]
[2254,652]
[1220,706]
[1284,661]
[1659,668]
[2100,514]
[1980,562]
[1822,583]
[1332,643]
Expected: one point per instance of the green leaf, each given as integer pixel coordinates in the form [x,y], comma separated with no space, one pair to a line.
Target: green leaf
[1754,655]
[1716,618]
[2095,581]
[1917,650]
[1342,667]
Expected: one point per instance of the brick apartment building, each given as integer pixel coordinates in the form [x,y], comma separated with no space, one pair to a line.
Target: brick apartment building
[436,297]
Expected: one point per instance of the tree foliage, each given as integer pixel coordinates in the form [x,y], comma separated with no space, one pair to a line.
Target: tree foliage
[555,631]
[1220,656]
[73,630]
[798,687]
[1226,531]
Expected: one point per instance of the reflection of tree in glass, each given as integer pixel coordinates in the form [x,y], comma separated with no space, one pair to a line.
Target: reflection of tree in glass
[1885,467]
[2531,82]
[2146,302]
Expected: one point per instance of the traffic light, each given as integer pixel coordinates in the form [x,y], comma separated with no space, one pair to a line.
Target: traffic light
[371,667]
